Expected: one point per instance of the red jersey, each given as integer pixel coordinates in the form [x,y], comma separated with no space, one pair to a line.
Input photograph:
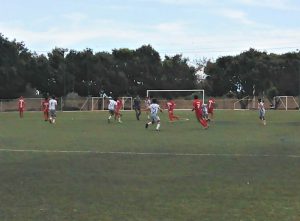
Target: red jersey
[45,105]
[171,105]
[21,103]
[211,103]
[119,104]
[197,105]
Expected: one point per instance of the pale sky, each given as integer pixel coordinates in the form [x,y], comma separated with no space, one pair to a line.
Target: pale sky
[194,28]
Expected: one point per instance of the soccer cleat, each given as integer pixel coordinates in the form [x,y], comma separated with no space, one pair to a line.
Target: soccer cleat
[146,126]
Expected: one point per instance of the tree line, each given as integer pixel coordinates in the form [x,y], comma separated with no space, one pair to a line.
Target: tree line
[127,72]
[255,73]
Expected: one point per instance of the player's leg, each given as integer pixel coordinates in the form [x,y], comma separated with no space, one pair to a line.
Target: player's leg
[119,116]
[152,121]
[137,113]
[262,117]
[174,116]
[201,120]
[21,112]
[158,123]
[45,115]
[111,113]
[210,115]
[170,115]
[54,117]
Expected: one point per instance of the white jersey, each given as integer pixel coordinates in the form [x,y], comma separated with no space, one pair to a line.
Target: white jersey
[154,108]
[261,106]
[112,104]
[147,103]
[52,104]
[204,108]
[261,109]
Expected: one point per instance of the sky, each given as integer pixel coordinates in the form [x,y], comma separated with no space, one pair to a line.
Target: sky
[196,29]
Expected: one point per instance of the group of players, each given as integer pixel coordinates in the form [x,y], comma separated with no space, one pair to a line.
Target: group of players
[48,107]
[203,112]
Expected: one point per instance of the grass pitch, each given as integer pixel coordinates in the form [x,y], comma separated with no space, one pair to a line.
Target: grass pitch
[83,168]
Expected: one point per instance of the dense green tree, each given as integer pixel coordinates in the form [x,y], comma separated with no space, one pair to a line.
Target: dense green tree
[126,72]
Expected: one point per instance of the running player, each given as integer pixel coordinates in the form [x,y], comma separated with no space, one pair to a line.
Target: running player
[21,106]
[45,108]
[111,108]
[211,105]
[137,106]
[205,112]
[262,111]
[52,110]
[118,110]
[197,107]
[170,105]
[154,108]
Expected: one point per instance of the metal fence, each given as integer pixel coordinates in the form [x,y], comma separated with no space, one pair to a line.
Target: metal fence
[94,104]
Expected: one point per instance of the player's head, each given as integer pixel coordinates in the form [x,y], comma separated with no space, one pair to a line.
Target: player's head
[196,96]
[115,99]
[21,97]
[154,101]
[259,99]
[53,96]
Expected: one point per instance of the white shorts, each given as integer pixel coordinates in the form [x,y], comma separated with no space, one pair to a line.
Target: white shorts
[155,118]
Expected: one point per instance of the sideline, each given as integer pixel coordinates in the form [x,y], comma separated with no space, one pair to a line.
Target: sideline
[149,154]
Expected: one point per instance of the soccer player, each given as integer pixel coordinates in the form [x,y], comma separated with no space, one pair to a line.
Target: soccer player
[118,110]
[147,105]
[170,106]
[45,108]
[262,111]
[52,110]
[21,106]
[154,108]
[111,108]
[137,106]
[211,104]
[197,107]
[205,112]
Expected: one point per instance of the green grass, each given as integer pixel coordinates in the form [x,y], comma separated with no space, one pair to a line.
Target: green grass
[247,171]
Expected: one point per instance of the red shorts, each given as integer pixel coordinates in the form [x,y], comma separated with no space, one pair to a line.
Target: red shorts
[198,114]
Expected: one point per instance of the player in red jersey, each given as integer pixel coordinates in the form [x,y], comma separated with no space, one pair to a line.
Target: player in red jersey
[170,105]
[197,107]
[45,108]
[210,107]
[118,110]
[21,106]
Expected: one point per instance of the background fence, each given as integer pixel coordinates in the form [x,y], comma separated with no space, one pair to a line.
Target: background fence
[96,103]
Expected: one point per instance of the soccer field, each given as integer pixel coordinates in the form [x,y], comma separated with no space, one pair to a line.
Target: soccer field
[83,168]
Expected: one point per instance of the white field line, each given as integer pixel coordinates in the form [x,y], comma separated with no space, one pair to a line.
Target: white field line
[149,154]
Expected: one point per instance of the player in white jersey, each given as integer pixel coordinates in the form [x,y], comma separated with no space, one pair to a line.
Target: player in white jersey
[204,112]
[262,111]
[112,105]
[52,109]
[154,108]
